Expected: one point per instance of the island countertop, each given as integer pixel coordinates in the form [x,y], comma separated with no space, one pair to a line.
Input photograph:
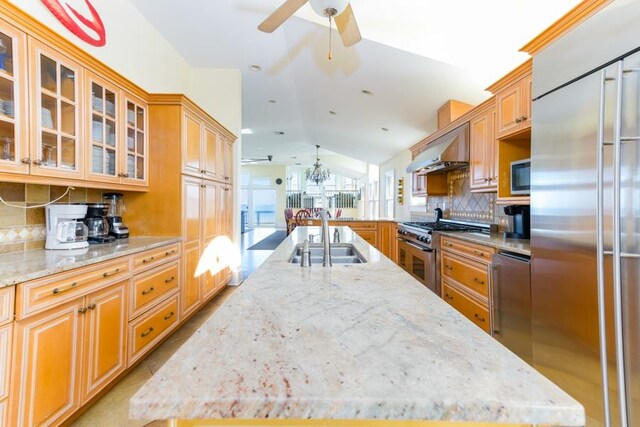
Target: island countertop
[361,341]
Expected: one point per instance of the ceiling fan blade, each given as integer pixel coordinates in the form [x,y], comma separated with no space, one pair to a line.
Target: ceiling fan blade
[284,12]
[347,26]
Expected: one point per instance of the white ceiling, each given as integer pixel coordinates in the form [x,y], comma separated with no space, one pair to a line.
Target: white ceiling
[414,56]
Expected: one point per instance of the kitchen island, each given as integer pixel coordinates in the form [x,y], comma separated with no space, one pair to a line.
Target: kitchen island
[350,342]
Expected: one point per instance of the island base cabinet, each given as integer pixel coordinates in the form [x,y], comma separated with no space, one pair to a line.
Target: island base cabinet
[67,354]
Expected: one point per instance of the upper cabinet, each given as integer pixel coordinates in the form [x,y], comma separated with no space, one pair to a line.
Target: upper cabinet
[135,157]
[14,147]
[56,147]
[513,101]
[483,150]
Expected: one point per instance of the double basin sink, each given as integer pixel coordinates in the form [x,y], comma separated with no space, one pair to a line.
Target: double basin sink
[341,253]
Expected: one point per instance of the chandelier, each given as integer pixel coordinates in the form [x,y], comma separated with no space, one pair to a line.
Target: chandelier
[317,174]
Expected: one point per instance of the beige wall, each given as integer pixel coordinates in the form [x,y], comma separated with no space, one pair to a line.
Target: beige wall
[272,172]
[398,164]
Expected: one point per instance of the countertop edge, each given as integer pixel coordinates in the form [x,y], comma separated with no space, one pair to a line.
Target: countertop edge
[494,240]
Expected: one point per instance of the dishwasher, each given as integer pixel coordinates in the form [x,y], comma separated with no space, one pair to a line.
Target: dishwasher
[511,303]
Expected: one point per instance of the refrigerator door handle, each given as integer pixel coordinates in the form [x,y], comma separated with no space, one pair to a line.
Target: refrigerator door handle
[601,252]
[495,296]
[617,259]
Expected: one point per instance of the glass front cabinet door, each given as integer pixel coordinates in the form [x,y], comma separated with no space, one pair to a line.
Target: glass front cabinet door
[14,147]
[103,131]
[135,153]
[56,146]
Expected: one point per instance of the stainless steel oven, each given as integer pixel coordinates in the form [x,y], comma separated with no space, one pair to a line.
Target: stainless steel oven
[419,261]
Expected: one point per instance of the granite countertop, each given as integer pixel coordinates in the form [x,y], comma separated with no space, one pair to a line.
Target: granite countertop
[496,240]
[20,267]
[364,341]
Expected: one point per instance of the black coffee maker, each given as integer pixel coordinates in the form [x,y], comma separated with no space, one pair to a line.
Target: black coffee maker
[519,222]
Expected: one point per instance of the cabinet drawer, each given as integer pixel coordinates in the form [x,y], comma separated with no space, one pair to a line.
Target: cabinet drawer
[465,272]
[4,412]
[38,295]
[369,225]
[477,252]
[148,287]
[7,296]
[469,308]
[154,257]
[151,327]
[6,335]
[369,236]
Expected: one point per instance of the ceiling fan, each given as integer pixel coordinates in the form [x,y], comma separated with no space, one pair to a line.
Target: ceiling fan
[254,160]
[339,11]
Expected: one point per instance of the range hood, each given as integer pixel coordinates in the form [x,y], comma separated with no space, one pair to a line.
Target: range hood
[450,151]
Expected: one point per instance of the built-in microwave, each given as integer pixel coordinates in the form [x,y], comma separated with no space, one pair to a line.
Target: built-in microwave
[521,177]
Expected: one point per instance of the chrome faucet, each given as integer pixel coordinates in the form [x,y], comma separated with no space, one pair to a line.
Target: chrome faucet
[326,243]
[305,258]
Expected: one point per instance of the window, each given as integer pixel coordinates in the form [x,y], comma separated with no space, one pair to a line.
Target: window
[373,199]
[389,193]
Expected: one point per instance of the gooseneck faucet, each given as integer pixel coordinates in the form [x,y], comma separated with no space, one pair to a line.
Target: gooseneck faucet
[326,243]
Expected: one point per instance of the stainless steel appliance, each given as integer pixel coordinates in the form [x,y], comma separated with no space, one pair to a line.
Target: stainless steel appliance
[519,221]
[65,229]
[585,236]
[418,248]
[521,177]
[450,151]
[511,303]
[97,223]
[116,208]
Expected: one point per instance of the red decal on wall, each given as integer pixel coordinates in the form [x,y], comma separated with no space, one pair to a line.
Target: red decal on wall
[95,23]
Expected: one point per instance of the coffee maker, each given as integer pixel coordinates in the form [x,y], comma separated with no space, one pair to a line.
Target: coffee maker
[97,223]
[519,222]
[65,229]
[115,209]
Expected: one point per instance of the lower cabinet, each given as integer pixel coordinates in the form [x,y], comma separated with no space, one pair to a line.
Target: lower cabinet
[148,329]
[67,354]
[465,276]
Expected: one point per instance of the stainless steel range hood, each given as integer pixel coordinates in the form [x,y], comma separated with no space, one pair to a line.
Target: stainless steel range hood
[450,151]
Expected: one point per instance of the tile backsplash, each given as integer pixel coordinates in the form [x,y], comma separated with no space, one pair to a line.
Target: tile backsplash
[22,227]
[461,204]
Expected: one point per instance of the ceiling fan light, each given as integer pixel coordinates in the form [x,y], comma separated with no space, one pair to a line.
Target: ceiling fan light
[319,6]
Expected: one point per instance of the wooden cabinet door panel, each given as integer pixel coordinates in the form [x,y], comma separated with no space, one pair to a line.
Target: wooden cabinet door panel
[509,104]
[211,152]
[190,285]
[105,355]
[191,145]
[228,160]
[191,205]
[469,308]
[149,329]
[45,373]
[149,287]
[135,146]
[370,236]
[6,336]
[479,138]
[468,273]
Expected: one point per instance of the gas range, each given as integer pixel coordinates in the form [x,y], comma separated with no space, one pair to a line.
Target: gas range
[421,232]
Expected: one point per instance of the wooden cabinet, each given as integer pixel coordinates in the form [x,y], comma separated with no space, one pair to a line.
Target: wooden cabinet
[14,141]
[514,107]
[206,153]
[434,184]
[149,287]
[148,329]
[134,159]
[483,151]
[56,122]
[387,238]
[464,268]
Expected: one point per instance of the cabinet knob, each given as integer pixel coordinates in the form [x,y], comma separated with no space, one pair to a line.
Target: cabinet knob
[82,310]
[25,161]
[447,296]
[523,118]
[92,306]
[518,120]
[480,318]
[37,162]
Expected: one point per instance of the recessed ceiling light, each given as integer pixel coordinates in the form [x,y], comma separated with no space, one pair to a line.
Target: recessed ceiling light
[367,92]
[260,148]
[272,101]
[385,130]
[333,113]
[246,131]
[278,132]
[293,157]
[255,68]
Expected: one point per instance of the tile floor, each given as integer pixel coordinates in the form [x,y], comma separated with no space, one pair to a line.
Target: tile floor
[113,408]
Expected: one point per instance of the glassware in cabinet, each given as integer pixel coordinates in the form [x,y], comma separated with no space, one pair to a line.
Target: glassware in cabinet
[103,122]
[135,153]
[14,148]
[56,146]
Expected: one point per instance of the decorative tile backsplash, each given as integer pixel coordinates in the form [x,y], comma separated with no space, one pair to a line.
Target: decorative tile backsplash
[461,204]
[22,226]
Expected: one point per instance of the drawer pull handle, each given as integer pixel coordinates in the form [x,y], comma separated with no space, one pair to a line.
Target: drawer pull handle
[57,291]
[447,296]
[169,316]
[111,273]
[169,280]
[148,291]
[477,316]
[448,244]
[170,252]
[82,310]
[478,253]
[92,306]
[481,282]
[147,332]
[448,267]
[146,260]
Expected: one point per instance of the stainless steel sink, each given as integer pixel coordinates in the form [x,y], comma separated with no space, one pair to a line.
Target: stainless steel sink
[342,253]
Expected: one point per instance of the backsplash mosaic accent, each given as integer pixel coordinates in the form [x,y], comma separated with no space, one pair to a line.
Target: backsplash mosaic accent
[22,229]
[461,204]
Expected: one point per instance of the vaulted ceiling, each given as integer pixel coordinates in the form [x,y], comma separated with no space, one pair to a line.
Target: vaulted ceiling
[414,56]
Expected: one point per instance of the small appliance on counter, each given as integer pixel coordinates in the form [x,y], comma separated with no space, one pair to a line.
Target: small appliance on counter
[65,229]
[519,222]
[115,203]
[97,223]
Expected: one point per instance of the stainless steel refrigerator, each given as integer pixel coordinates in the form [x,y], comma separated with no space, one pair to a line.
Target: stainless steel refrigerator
[585,214]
